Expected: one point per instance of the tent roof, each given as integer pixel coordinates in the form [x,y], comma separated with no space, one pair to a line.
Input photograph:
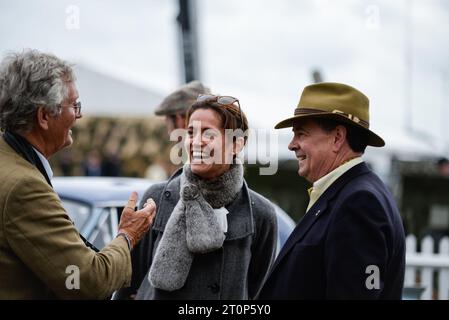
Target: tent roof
[105,95]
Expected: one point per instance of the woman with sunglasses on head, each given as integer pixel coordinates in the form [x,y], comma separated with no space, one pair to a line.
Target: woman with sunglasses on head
[213,237]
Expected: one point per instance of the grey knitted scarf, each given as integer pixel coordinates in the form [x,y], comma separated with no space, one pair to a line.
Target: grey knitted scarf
[193,227]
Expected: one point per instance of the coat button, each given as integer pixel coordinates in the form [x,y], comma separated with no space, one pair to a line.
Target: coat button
[167,194]
[215,288]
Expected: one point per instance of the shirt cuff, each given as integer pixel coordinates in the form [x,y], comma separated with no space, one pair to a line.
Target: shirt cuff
[124,235]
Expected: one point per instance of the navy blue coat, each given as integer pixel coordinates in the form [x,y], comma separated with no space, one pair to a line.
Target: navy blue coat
[333,253]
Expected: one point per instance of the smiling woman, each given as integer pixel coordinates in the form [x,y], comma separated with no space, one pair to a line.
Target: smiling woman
[216,134]
[213,238]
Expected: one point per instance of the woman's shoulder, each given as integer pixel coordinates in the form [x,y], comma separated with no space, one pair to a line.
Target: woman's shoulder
[155,190]
[257,198]
[261,205]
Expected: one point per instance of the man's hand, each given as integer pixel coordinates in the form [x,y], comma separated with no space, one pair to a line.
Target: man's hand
[136,223]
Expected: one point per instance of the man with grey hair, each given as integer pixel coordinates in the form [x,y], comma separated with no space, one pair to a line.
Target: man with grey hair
[175,105]
[39,245]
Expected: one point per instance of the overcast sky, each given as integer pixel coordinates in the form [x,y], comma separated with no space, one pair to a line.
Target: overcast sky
[261,51]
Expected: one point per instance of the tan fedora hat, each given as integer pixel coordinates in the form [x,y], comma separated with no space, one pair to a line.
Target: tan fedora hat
[334,101]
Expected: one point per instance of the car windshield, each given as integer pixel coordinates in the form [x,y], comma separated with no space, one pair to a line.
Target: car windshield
[78,212]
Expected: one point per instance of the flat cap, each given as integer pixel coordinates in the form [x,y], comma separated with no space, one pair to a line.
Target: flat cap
[181,99]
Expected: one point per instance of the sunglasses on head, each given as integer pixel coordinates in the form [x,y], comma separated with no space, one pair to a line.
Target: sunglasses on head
[223,101]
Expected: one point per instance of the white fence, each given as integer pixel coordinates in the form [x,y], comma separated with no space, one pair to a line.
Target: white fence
[427,269]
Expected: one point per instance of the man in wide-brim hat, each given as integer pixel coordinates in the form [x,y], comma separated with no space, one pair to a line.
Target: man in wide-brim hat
[350,244]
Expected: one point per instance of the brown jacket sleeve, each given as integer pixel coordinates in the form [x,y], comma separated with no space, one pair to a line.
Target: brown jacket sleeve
[41,235]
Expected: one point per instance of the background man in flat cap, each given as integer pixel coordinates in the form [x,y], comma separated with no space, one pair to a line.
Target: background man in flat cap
[39,245]
[443,167]
[350,244]
[175,105]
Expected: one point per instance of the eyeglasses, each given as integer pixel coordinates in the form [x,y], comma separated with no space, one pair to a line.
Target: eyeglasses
[223,101]
[76,106]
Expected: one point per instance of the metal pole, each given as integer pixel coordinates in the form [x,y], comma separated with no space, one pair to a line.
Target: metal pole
[189,39]
[444,111]
[408,67]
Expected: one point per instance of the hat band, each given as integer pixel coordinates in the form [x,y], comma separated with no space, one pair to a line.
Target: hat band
[300,110]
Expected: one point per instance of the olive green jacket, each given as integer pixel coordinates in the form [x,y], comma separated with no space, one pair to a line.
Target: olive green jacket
[40,249]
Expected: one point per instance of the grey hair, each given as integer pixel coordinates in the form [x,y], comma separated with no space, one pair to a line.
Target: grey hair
[28,80]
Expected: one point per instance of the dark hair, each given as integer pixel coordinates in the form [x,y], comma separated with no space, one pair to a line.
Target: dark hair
[231,115]
[357,137]
[442,161]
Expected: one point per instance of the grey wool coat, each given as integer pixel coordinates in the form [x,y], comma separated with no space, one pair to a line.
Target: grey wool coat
[235,271]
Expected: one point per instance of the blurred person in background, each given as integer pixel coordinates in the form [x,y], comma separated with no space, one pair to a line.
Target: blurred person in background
[66,161]
[213,238]
[174,107]
[443,167]
[39,245]
[92,164]
[350,244]
[111,164]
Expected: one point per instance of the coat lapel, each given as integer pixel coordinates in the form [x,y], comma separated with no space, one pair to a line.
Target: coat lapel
[240,216]
[167,201]
[318,209]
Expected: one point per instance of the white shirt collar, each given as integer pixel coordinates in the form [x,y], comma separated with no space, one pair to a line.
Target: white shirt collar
[45,163]
[324,182]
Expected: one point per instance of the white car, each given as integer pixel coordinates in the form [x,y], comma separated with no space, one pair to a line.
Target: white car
[96,203]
